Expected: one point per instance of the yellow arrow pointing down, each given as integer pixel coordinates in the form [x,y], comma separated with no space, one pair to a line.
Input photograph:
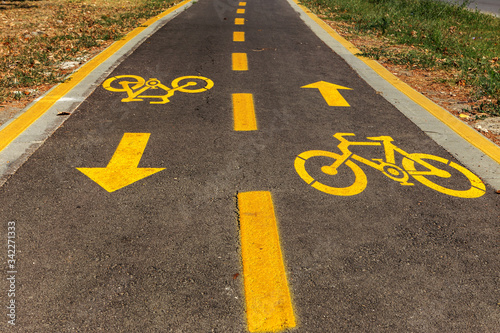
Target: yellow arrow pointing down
[330,92]
[122,170]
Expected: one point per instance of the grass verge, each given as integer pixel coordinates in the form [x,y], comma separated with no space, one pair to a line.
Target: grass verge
[429,35]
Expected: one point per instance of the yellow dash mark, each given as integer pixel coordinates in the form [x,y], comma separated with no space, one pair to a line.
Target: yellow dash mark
[239,21]
[242,4]
[240,62]
[240,11]
[244,113]
[268,302]
[238,36]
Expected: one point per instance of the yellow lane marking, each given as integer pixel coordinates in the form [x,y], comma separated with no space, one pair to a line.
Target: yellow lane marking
[122,170]
[466,132]
[268,301]
[330,92]
[244,113]
[243,4]
[240,11]
[240,62]
[15,128]
[238,36]
[239,21]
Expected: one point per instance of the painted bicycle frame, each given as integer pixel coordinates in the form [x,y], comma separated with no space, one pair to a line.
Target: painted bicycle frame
[387,166]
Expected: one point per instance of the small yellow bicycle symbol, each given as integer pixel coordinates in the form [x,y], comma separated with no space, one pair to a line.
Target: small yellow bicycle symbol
[134,89]
[413,165]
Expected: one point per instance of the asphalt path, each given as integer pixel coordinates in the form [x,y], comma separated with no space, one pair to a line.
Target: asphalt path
[164,254]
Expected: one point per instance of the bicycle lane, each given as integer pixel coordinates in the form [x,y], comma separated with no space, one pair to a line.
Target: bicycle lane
[163,253]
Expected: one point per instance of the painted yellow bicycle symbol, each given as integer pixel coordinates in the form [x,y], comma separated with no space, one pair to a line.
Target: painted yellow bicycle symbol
[135,85]
[421,167]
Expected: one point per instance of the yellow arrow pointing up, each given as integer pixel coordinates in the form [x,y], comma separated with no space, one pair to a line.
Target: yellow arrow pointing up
[122,170]
[330,92]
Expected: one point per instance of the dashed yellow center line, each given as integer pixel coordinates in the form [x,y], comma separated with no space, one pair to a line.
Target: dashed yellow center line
[242,4]
[240,62]
[238,36]
[268,301]
[240,11]
[244,113]
[239,21]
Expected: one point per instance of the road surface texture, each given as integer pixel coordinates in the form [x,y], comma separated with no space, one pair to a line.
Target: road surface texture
[200,188]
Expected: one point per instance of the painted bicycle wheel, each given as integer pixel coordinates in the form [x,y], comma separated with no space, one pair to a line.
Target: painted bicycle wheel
[357,186]
[192,84]
[474,188]
[119,82]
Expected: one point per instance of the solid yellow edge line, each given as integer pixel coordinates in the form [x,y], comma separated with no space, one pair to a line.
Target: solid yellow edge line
[466,132]
[16,127]
[244,112]
[267,295]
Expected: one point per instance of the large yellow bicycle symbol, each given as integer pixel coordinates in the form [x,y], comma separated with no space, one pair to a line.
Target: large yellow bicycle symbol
[421,167]
[134,88]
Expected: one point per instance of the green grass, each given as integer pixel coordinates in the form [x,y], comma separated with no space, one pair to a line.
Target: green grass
[445,36]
